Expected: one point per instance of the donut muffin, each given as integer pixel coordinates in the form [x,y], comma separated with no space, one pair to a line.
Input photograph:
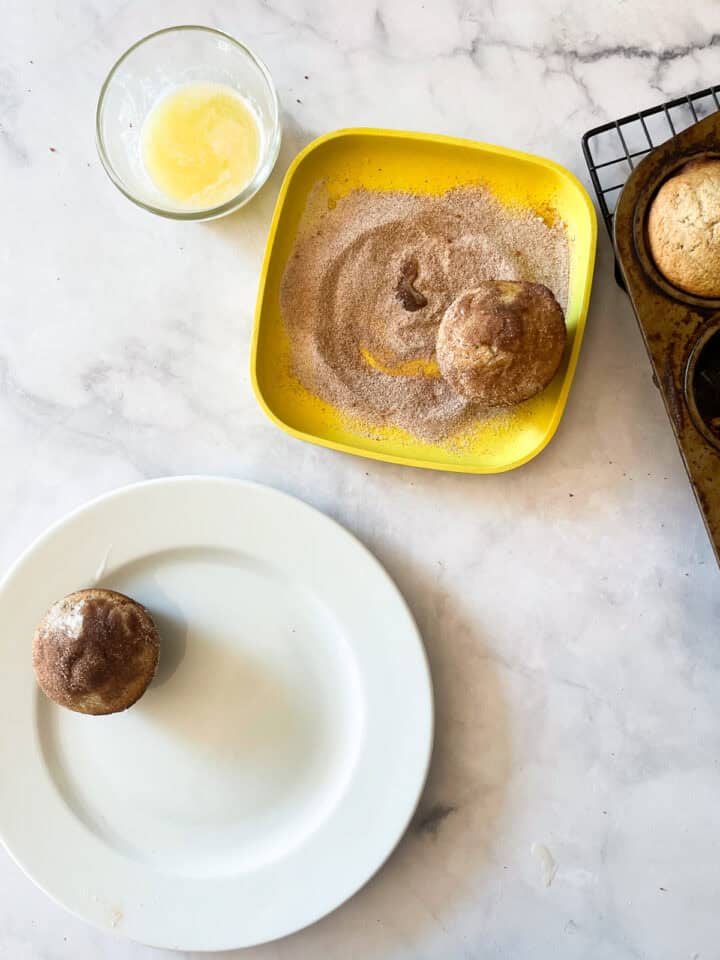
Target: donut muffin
[501,342]
[95,651]
[683,228]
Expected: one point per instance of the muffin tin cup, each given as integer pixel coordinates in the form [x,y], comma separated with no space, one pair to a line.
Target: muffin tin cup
[692,372]
[675,324]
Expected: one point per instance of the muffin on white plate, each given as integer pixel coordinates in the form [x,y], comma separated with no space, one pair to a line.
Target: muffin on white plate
[95,651]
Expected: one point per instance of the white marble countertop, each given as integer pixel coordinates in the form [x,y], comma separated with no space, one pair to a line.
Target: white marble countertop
[570,609]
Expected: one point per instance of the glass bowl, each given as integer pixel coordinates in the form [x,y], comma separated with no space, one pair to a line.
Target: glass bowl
[152,68]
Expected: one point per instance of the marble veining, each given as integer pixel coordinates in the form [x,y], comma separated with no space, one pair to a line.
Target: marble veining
[569,609]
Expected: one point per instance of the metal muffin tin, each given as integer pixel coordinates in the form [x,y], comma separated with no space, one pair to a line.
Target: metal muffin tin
[681,331]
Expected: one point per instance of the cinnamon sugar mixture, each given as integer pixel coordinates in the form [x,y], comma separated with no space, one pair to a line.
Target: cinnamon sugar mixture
[369,280]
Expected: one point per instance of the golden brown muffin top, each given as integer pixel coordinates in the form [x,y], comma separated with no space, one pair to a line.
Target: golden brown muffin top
[683,228]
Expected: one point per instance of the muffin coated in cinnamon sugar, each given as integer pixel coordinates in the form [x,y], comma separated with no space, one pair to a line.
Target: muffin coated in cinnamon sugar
[95,651]
[501,342]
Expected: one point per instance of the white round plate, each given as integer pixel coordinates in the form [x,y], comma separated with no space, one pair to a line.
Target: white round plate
[277,757]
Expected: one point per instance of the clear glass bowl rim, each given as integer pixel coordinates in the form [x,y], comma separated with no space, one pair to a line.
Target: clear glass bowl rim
[261,174]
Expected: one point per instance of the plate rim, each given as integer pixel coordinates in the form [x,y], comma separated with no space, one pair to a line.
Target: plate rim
[422,661]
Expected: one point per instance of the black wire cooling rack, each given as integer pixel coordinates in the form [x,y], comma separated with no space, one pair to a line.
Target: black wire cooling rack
[612,150]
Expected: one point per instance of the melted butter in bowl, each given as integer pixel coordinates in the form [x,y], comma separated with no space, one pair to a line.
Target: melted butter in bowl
[201,144]
[188,123]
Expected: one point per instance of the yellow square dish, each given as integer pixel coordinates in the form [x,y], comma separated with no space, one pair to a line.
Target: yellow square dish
[419,163]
